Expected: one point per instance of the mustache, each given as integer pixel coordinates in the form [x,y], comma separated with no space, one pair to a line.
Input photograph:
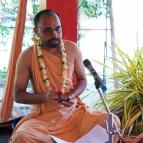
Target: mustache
[51,43]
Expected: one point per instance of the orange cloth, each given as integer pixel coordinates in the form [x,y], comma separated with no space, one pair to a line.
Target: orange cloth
[68,123]
[7,101]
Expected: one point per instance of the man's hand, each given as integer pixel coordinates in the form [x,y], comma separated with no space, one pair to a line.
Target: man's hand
[52,96]
[66,100]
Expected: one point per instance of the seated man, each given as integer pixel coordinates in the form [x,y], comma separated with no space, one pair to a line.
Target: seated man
[54,67]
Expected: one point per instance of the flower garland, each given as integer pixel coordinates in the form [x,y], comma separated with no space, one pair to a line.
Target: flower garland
[42,66]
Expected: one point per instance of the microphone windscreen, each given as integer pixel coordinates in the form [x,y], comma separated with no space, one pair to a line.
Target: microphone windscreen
[86,62]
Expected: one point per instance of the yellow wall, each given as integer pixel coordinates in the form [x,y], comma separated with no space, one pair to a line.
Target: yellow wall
[42,4]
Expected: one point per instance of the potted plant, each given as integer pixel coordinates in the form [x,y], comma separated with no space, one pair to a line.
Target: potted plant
[127,100]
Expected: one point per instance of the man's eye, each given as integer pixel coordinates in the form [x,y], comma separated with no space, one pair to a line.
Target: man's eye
[58,29]
[47,30]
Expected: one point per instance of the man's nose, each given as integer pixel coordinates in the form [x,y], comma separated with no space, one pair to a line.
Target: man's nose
[54,33]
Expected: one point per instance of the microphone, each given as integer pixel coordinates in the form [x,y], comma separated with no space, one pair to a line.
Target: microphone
[98,81]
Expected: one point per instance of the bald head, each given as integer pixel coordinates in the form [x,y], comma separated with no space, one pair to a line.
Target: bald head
[44,13]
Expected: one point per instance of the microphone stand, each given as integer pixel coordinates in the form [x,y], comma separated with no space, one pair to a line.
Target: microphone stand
[111,126]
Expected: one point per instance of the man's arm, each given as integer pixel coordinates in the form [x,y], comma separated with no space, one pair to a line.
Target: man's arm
[21,81]
[80,74]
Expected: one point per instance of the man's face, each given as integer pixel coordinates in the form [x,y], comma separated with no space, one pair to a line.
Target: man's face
[49,30]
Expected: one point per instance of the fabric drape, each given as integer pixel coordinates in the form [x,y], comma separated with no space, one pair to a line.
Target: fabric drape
[68,10]
[7,101]
[67,123]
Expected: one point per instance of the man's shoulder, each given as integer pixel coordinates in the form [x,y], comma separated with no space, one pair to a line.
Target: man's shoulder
[28,50]
[25,57]
[70,45]
[71,48]
[26,53]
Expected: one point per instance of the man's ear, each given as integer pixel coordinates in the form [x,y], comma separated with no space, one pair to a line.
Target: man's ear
[35,30]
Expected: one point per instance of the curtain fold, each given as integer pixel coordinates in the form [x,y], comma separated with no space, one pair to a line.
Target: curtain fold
[7,101]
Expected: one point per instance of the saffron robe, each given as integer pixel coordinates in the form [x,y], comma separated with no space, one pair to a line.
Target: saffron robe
[67,123]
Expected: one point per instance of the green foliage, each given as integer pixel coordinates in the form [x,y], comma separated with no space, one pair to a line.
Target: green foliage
[3,73]
[138,128]
[35,8]
[127,100]
[8,13]
[93,8]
